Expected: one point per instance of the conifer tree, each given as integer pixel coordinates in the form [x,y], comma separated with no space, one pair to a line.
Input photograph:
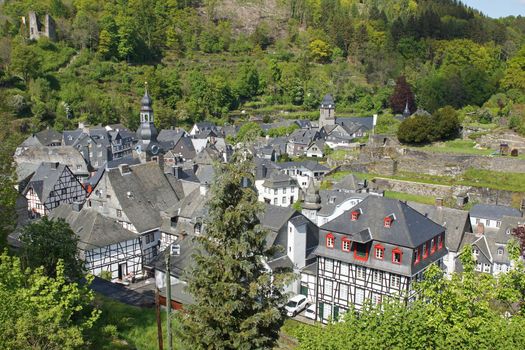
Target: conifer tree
[236,298]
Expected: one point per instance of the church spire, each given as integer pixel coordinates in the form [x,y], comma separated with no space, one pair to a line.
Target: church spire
[406,112]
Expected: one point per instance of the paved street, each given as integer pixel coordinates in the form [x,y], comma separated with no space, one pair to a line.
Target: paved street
[138,294]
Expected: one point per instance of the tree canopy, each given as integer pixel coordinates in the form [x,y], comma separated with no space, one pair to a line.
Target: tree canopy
[41,311]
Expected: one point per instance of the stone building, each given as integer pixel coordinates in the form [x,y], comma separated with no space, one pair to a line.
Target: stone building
[38,29]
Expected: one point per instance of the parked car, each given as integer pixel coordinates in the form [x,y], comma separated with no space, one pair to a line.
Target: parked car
[310,312]
[295,305]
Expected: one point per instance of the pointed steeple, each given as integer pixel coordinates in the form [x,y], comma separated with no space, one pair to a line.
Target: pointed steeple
[312,200]
[147,133]
[406,112]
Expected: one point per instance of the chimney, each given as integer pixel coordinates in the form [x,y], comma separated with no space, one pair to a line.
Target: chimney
[124,169]
[176,171]
[77,206]
[204,187]
[439,202]
[480,229]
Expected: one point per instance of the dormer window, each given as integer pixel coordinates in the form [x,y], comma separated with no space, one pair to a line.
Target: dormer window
[379,251]
[330,241]
[345,244]
[388,221]
[417,256]
[355,215]
[500,251]
[397,255]
[440,241]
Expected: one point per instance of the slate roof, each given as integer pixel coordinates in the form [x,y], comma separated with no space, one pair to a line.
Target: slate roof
[264,168]
[455,221]
[275,217]
[184,147]
[367,122]
[308,164]
[409,228]
[303,123]
[494,212]
[303,136]
[149,193]
[44,138]
[328,101]
[62,154]
[92,228]
[178,263]
[45,178]
[170,135]
[331,199]
[278,180]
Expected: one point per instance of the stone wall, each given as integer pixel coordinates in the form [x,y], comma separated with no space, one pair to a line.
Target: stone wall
[475,194]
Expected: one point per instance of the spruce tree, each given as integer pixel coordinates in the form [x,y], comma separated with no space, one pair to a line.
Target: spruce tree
[237,300]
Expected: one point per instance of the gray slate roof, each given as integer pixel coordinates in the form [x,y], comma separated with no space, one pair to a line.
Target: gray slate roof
[409,228]
[45,178]
[494,212]
[331,199]
[367,122]
[455,221]
[149,193]
[92,228]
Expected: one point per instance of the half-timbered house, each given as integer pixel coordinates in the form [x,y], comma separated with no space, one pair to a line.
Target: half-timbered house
[103,244]
[373,251]
[134,196]
[51,185]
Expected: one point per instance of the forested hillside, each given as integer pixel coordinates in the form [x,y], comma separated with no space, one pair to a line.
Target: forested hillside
[211,59]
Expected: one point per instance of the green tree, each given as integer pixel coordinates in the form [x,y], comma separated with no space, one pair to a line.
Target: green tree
[247,82]
[446,124]
[320,51]
[415,129]
[8,194]
[41,311]
[402,96]
[47,241]
[25,61]
[236,298]
[515,73]
[249,132]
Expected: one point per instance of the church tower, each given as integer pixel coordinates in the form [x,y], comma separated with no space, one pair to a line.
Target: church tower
[327,111]
[312,202]
[147,147]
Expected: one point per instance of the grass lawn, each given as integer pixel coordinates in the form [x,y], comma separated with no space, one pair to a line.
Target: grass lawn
[456,147]
[125,327]
[122,326]
[410,197]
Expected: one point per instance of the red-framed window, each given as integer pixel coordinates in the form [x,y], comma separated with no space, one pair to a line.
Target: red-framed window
[440,241]
[330,241]
[346,244]
[379,251]
[355,215]
[417,256]
[388,221]
[397,256]
[425,250]
[433,245]
[360,251]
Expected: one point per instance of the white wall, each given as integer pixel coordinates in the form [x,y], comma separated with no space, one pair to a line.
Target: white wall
[488,223]
[296,249]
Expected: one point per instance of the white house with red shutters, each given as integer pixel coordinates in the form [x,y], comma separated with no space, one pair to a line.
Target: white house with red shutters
[376,249]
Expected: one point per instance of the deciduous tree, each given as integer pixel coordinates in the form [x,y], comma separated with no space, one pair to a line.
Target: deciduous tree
[401,96]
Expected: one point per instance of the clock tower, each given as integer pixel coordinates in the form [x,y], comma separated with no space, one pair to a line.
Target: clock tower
[147,147]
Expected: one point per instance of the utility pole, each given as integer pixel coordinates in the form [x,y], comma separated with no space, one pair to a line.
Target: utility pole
[159,324]
[168,297]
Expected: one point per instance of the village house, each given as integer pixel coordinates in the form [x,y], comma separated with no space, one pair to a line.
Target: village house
[278,189]
[456,223]
[299,140]
[304,171]
[134,196]
[104,245]
[373,251]
[490,216]
[51,185]
[44,138]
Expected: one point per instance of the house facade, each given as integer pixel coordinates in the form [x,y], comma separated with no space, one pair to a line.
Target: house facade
[278,189]
[374,251]
[51,185]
